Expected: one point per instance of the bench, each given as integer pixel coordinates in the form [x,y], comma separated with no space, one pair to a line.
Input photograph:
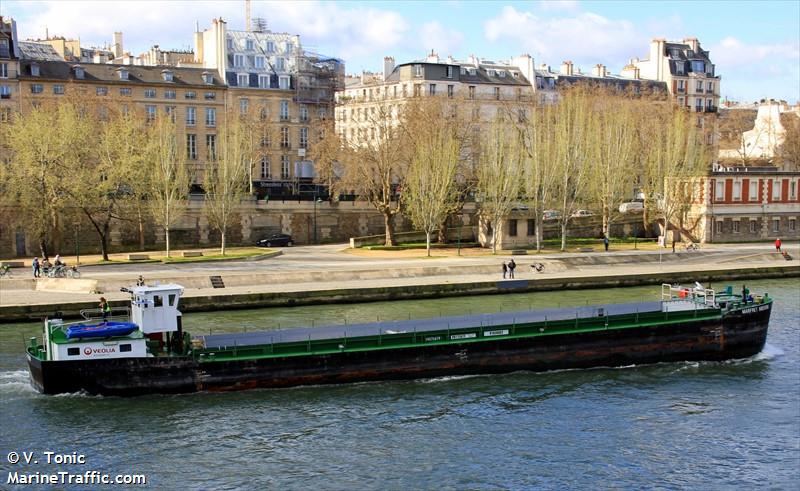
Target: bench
[586,249]
[519,252]
[138,257]
[13,264]
[192,254]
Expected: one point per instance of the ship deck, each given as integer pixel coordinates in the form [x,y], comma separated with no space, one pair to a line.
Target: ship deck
[300,334]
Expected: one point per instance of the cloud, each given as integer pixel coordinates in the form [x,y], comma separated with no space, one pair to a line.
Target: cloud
[356,30]
[731,52]
[584,38]
[444,41]
[559,5]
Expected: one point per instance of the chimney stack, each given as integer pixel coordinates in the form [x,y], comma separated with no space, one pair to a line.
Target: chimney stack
[116,47]
[566,68]
[388,66]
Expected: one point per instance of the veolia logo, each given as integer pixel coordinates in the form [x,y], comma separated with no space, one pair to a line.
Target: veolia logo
[87,351]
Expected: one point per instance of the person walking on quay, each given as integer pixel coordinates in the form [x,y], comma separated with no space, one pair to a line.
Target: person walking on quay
[778,244]
[37,269]
[140,281]
[505,269]
[605,242]
[511,267]
[105,308]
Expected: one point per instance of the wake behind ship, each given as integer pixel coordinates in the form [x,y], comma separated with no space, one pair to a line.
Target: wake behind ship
[149,351]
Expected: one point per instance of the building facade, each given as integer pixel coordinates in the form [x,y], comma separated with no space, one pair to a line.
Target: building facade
[287,88]
[9,69]
[739,204]
[480,90]
[195,98]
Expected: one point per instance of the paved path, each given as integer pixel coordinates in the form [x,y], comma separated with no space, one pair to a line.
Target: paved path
[358,272]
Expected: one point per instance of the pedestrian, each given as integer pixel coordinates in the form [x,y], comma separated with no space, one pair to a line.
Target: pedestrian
[37,270]
[505,269]
[57,261]
[105,308]
[140,281]
[673,246]
[605,242]
[778,244]
[511,267]
[745,293]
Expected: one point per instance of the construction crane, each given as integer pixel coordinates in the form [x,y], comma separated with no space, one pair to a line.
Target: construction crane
[247,15]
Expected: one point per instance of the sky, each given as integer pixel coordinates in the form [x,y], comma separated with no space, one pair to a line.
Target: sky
[754,45]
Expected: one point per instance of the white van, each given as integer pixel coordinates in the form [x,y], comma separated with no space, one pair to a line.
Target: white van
[631,207]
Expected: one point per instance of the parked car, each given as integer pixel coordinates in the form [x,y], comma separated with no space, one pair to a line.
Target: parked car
[631,207]
[582,213]
[276,240]
[551,215]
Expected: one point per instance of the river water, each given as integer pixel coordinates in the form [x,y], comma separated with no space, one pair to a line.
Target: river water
[668,426]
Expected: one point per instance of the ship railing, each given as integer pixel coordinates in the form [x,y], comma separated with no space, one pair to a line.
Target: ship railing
[698,294]
[118,314]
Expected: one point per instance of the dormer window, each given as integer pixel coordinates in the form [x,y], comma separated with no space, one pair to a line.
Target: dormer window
[490,73]
[166,75]
[417,70]
[208,78]
[79,73]
[123,74]
[249,45]
[502,73]
[34,69]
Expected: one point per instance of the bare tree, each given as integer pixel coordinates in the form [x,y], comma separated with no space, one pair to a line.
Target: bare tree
[570,156]
[614,152]
[538,178]
[676,155]
[226,178]
[499,174]
[169,184]
[101,183]
[374,161]
[790,149]
[45,144]
[430,194]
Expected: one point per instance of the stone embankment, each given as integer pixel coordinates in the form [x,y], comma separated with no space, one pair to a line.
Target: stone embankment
[25,299]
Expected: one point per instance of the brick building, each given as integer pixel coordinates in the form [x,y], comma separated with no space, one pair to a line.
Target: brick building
[739,204]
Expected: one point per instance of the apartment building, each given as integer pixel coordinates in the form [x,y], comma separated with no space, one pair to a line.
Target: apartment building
[195,98]
[9,69]
[480,89]
[686,68]
[289,89]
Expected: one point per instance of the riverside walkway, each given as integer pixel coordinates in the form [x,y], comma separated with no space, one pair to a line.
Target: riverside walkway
[329,274]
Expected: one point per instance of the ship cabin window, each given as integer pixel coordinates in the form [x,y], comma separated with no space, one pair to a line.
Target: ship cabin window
[172,300]
[73,351]
[124,348]
[158,301]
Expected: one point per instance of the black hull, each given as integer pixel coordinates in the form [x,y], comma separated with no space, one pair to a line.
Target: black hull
[737,335]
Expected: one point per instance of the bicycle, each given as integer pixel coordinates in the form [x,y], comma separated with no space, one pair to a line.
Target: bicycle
[5,271]
[690,247]
[538,267]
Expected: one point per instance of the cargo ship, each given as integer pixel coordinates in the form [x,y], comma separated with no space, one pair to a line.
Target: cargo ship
[148,351]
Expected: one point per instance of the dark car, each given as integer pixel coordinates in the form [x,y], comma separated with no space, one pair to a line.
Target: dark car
[276,240]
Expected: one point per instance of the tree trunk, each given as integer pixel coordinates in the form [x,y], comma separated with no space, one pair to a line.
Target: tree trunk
[606,220]
[222,233]
[387,220]
[428,242]
[166,237]
[141,229]
[538,225]
[43,247]
[563,235]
